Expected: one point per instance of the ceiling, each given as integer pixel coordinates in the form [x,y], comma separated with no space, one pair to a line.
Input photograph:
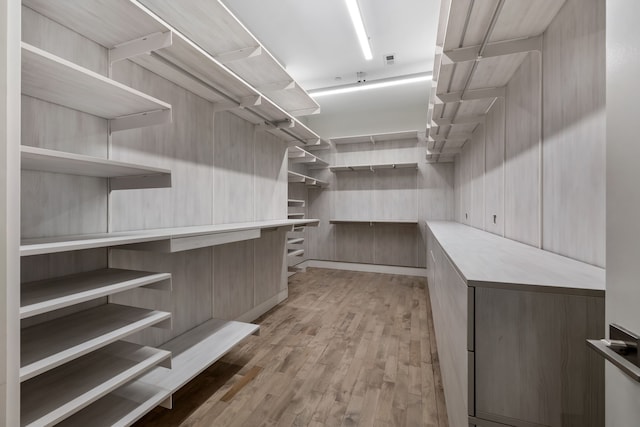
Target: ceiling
[317,44]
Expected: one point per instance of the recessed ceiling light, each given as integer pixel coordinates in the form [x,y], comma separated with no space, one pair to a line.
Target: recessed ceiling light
[358,24]
[374,84]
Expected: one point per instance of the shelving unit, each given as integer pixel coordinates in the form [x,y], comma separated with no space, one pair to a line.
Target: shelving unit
[164,239]
[131,31]
[56,80]
[378,138]
[57,394]
[228,40]
[197,349]
[122,175]
[295,202]
[478,49]
[44,296]
[48,345]
[307,180]
[373,222]
[299,155]
[373,168]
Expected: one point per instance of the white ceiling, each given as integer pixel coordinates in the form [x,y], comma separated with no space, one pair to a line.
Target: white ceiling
[316,42]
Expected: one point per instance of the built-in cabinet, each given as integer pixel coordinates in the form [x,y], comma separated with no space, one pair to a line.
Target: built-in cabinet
[511,323]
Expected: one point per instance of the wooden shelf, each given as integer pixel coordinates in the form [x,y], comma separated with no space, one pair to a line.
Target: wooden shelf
[53,79]
[223,36]
[374,221]
[319,144]
[123,175]
[307,180]
[377,138]
[52,294]
[59,393]
[295,241]
[373,168]
[296,215]
[131,31]
[163,239]
[48,345]
[463,73]
[294,202]
[299,155]
[120,408]
[197,349]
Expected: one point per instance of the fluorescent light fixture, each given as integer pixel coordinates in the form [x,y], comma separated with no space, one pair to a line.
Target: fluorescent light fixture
[356,18]
[375,84]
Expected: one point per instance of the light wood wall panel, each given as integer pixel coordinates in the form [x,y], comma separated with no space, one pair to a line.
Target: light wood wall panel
[396,245]
[494,169]
[574,132]
[185,146]
[233,291]
[522,166]
[233,169]
[270,188]
[355,243]
[321,239]
[476,211]
[395,194]
[269,254]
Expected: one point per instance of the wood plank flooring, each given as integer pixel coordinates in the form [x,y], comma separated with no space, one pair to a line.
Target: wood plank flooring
[345,349]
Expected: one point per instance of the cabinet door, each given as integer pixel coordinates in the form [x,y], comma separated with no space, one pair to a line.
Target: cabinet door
[449,304]
[532,366]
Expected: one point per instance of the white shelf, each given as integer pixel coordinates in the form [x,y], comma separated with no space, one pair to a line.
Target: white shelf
[169,239]
[52,294]
[377,138]
[48,345]
[295,241]
[123,25]
[221,34]
[197,349]
[299,155]
[320,144]
[120,408]
[295,252]
[297,203]
[57,394]
[53,79]
[374,221]
[296,215]
[373,168]
[123,175]
[307,180]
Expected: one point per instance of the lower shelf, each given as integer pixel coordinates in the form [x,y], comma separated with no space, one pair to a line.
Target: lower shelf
[197,349]
[120,408]
[59,393]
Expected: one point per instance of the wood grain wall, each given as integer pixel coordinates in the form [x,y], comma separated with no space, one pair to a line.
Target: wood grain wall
[425,193]
[542,148]
[223,171]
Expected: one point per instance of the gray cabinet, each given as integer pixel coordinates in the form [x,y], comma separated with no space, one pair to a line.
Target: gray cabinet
[511,322]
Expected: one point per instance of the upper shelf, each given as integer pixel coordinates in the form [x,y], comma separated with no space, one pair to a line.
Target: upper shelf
[373,168]
[222,35]
[307,180]
[380,137]
[479,47]
[123,175]
[372,222]
[299,155]
[163,239]
[131,31]
[53,79]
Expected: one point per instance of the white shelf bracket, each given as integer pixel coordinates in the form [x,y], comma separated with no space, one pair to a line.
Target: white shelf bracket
[251,101]
[286,124]
[493,50]
[141,46]
[471,95]
[238,55]
[373,141]
[135,121]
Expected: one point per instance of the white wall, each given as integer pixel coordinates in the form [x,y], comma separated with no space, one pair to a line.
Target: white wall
[545,141]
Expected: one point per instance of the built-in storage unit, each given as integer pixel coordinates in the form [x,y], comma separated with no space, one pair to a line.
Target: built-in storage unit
[120,303]
[511,323]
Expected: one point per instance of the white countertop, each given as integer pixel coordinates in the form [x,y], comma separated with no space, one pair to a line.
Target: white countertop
[487,260]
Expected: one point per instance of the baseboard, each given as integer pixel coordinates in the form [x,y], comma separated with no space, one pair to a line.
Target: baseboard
[368,268]
[261,309]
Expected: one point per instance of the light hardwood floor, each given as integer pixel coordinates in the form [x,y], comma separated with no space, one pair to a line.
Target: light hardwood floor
[345,349]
